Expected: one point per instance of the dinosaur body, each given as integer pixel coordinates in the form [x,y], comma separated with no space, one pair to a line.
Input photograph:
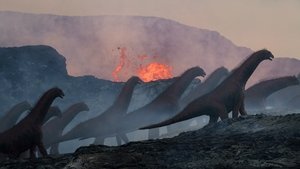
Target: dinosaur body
[106,120]
[210,83]
[10,118]
[27,134]
[255,96]
[227,97]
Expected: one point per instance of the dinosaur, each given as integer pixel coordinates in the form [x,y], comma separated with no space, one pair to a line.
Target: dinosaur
[227,97]
[210,82]
[162,107]
[255,96]
[53,129]
[11,116]
[27,134]
[108,118]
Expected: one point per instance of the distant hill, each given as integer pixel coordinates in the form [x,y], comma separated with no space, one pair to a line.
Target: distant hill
[90,43]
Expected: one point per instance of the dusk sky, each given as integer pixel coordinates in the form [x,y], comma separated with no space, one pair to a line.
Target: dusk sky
[271,24]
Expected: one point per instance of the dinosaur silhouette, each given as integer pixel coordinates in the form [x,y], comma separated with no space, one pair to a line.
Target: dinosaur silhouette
[227,97]
[107,119]
[53,129]
[27,134]
[11,116]
[210,83]
[255,96]
[162,107]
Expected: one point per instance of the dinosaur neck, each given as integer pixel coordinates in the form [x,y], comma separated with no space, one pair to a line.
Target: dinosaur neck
[70,113]
[266,88]
[15,112]
[246,69]
[214,79]
[50,113]
[41,108]
[123,100]
[178,87]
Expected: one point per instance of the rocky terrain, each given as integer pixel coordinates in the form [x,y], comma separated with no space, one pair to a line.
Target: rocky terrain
[256,141]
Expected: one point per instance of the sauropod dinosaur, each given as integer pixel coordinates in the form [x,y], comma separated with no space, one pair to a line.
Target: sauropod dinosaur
[27,134]
[106,120]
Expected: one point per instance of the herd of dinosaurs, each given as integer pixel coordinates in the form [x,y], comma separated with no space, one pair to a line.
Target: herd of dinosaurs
[221,93]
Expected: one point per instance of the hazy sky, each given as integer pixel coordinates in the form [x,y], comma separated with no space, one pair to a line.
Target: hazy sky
[272,24]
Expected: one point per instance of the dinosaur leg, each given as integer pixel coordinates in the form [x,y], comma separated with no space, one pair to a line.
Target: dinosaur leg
[54,149]
[213,119]
[99,141]
[153,133]
[124,138]
[42,149]
[119,140]
[242,109]
[216,112]
[32,152]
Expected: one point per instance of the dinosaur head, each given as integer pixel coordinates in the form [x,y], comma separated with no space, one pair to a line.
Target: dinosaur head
[82,106]
[197,71]
[135,80]
[57,92]
[264,54]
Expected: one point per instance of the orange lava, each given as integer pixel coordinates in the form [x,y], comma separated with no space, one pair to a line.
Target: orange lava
[155,71]
[120,66]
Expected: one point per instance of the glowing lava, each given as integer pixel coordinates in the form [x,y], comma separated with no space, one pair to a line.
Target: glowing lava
[120,66]
[152,71]
[155,71]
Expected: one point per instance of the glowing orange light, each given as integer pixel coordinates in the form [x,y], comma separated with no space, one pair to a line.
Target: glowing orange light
[155,71]
[121,64]
[151,72]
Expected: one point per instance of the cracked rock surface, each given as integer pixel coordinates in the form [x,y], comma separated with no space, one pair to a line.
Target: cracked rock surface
[256,141]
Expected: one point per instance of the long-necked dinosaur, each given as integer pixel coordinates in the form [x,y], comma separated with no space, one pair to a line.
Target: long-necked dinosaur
[27,134]
[255,96]
[108,118]
[11,116]
[210,83]
[53,129]
[162,107]
[227,97]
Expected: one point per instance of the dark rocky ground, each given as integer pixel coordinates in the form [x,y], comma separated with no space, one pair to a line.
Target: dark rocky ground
[256,141]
